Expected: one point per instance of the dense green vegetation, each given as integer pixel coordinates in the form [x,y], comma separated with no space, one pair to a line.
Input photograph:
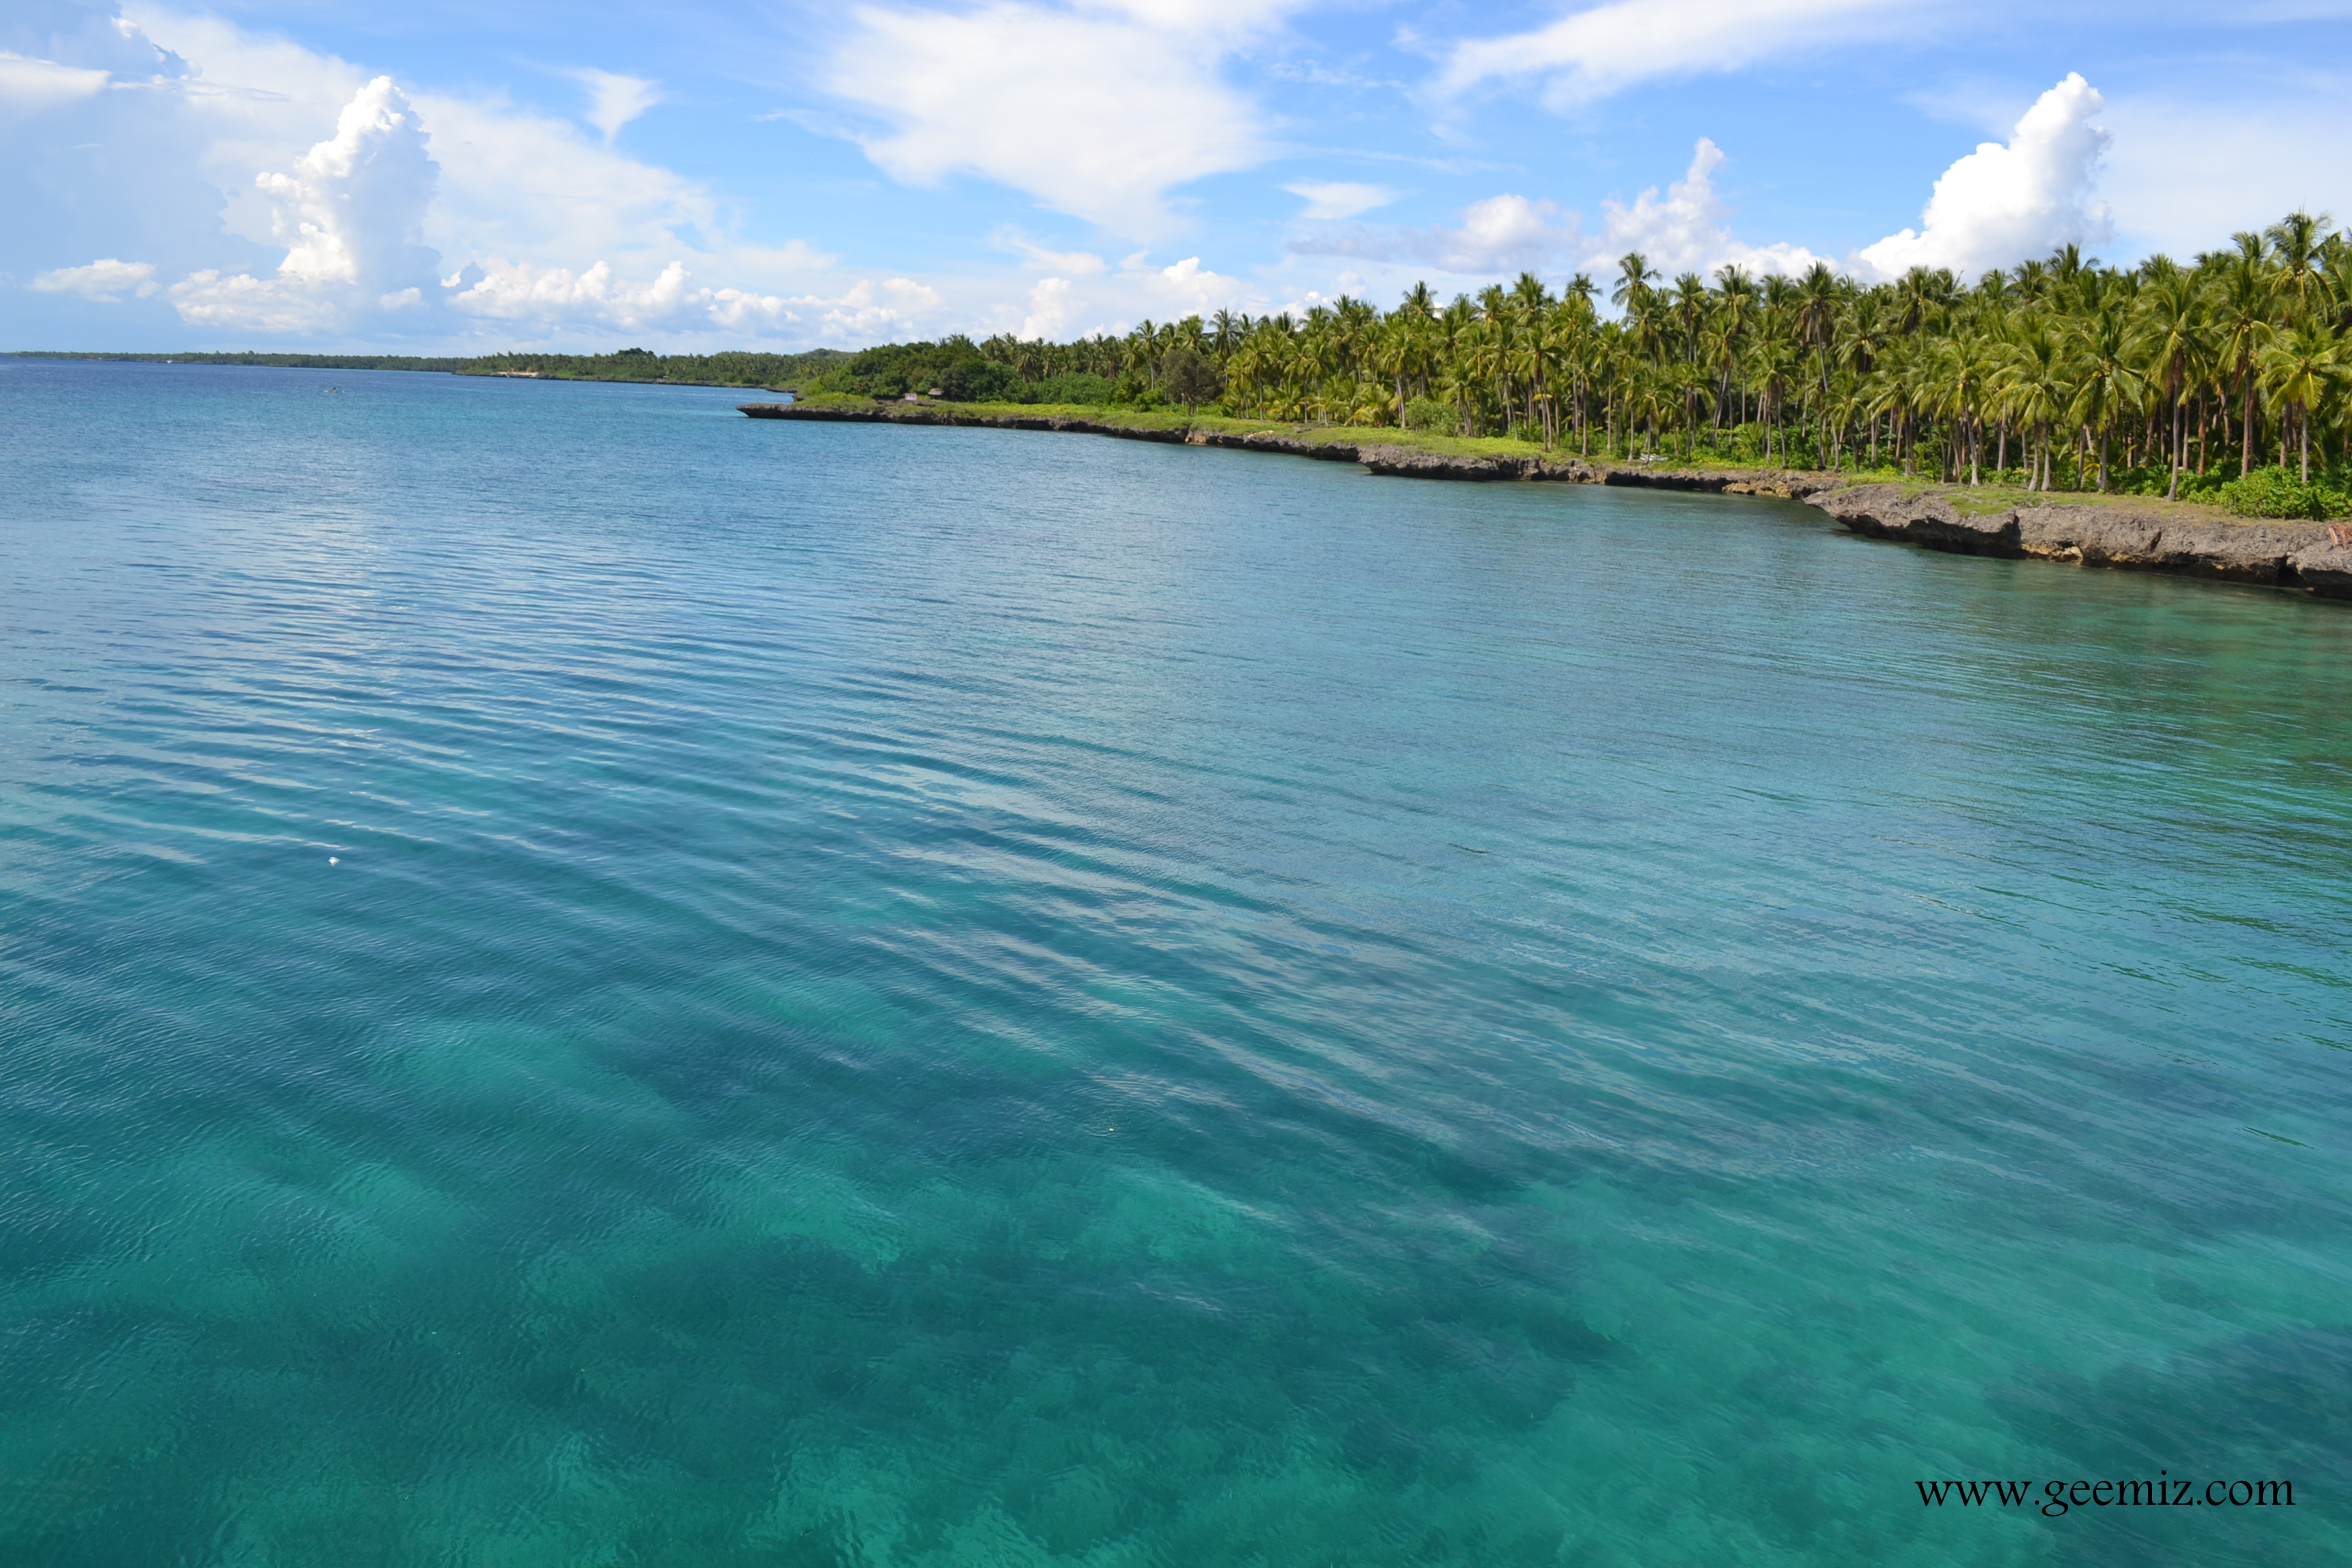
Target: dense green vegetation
[2224,379]
[963,372]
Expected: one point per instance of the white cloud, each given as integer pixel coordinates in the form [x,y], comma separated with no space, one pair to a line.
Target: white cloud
[533,213]
[1329,200]
[1501,234]
[30,87]
[514,182]
[1689,229]
[613,100]
[1596,51]
[1188,289]
[104,281]
[352,209]
[518,291]
[1098,112]
[349,216]
[2000,204]
[1078,263]
[871,311]
[557,297]
[528,186]
[1049,310]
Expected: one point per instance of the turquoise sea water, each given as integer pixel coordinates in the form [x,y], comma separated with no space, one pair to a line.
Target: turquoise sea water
[586,980]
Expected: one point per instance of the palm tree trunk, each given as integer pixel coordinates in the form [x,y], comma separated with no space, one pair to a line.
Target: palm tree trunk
[2179,434]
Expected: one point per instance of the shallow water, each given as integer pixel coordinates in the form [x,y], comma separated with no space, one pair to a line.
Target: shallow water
[583,980]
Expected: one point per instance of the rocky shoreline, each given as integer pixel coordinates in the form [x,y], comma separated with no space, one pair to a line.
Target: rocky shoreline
[2311,556]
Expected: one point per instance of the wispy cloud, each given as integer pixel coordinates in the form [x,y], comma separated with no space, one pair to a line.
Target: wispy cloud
[1501,234]
[1329,200]
[1097,112]
[1077,263]
[105,281]
[1600,49]
[613,100]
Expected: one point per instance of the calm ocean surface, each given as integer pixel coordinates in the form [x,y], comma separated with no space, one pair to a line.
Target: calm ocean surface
[586,980]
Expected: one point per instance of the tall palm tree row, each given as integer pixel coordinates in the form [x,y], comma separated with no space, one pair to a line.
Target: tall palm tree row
[2057,374]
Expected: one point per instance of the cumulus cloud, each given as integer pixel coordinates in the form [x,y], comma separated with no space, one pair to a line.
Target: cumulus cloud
[613,100]
[518,292]
[522,198]
[349,216]
[1501,234]
[1328,200]
[1600,49]
[1689,228]
[1188,289]
[1061,308]
[104,281]
[1097,112]
[870,310]
[1048,315]
[669,302]
[2003,204]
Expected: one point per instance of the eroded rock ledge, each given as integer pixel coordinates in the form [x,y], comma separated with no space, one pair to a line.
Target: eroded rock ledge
[2297,554]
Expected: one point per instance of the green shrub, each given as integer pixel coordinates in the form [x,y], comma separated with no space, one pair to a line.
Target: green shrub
[833,400]
[1134,392]
[1431,416]
[1076,386]
[981,381]
[2277,492]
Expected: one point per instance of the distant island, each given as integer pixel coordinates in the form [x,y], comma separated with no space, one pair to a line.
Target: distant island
[2224,380]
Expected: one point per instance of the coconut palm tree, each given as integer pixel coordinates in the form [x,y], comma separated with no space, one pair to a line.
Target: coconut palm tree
[2035,385]
[2107,382]
[2243,328]
[2303,369]
[2294,247]
[2173,333]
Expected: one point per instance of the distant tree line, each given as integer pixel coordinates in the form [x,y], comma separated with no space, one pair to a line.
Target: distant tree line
[729,369]
[628,365]
[282,361]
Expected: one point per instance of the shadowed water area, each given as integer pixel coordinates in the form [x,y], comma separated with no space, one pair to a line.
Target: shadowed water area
[933,997]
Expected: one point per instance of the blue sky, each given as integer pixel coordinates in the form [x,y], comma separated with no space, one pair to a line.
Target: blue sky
[310,174]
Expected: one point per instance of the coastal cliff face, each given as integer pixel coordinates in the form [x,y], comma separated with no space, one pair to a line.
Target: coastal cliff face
[2302,554]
